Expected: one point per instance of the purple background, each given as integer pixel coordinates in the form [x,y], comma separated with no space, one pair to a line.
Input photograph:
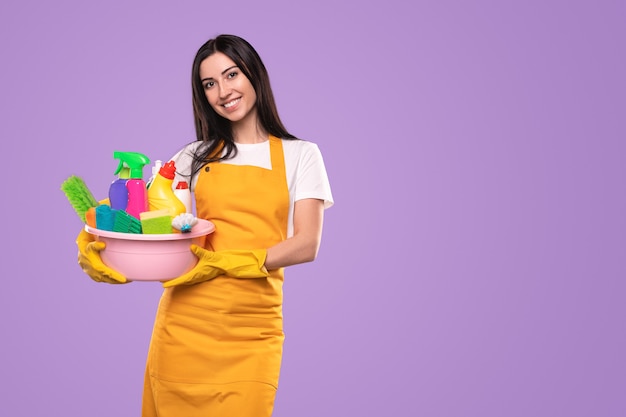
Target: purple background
[473,264]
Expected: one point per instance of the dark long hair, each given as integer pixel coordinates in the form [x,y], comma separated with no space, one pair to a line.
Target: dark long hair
[214,130]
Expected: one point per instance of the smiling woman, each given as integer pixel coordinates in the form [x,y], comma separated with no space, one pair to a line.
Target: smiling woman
[230,93]
[217,342]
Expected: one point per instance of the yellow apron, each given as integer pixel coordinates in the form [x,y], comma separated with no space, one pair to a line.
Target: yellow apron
[216,346]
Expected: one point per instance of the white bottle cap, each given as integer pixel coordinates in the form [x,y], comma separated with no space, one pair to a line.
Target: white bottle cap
[157,166]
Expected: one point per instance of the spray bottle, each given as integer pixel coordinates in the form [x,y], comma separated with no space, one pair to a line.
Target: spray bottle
[136,186]
[118,193]
[161,194]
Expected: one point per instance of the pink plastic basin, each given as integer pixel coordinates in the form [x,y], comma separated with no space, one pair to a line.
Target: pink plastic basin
[152,257]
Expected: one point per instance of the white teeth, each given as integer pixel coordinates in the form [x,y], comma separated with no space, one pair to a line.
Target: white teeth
[232,103]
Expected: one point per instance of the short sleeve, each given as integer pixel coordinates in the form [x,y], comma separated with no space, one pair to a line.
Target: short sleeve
[311,177]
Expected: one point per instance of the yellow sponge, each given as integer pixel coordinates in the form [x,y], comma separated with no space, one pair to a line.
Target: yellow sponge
[156,221]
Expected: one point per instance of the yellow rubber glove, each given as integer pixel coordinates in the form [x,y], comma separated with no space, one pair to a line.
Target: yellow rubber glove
[233,263]
[90,261]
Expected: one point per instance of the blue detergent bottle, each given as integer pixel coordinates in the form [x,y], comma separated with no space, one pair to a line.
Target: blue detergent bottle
[118,193]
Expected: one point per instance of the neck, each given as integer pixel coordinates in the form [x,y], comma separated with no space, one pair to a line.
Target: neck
[249,130]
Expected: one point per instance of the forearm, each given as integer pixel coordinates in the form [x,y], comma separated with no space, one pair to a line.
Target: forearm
[304,244]
[295,250]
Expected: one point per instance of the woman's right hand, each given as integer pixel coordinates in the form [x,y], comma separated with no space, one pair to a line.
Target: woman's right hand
[90,261]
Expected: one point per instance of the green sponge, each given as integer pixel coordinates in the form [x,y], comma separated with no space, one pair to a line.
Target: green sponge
[156,221]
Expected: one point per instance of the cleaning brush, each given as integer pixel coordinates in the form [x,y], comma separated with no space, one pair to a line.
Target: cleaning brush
[125,223]
[79,196]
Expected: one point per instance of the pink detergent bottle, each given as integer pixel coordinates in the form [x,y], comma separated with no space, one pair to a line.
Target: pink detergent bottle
[137,193]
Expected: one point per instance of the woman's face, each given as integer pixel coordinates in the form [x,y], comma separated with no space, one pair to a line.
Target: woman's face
[227,89]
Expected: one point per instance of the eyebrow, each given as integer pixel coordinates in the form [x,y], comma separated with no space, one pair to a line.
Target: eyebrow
[223,72]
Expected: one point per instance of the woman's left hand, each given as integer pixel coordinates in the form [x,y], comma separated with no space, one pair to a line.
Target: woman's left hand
[233,263]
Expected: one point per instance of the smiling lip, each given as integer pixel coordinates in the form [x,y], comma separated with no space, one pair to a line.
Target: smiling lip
[232,104]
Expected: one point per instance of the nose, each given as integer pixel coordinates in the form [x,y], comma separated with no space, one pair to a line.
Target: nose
[225,90]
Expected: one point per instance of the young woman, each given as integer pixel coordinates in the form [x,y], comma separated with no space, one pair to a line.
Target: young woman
[217,342]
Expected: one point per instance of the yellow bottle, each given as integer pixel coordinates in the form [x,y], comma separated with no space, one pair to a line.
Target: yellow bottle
[161,194]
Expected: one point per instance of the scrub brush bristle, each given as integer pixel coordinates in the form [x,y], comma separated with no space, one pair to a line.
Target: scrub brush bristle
[78,195]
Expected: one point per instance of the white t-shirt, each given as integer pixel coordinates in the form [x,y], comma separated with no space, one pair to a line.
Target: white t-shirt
[304,166]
